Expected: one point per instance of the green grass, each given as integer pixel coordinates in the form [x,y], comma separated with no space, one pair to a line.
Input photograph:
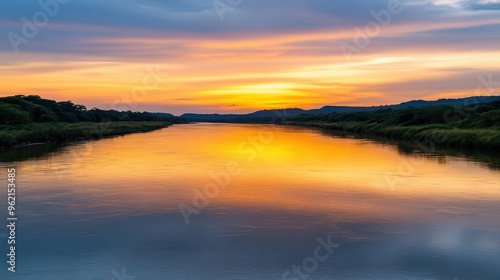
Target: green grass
[12,135]
[437,134]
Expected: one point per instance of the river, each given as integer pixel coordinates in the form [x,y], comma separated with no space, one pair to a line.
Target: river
[238,201]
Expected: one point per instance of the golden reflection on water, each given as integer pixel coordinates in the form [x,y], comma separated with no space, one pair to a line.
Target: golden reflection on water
[284,168]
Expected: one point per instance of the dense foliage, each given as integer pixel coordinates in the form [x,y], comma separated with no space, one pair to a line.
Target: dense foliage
[485,115]
[22,109]
[473,126]
[26,120]
[12,135]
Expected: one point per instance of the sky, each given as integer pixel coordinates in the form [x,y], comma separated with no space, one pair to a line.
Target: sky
[235,56]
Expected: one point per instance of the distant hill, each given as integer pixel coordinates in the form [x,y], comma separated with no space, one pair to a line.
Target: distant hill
[266,114]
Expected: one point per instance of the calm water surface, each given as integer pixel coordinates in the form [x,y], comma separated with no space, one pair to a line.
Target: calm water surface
[109,209]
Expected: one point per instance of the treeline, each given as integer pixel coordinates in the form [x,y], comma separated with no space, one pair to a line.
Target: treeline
[21,109]
[38,133]
[478,116]
[470,127]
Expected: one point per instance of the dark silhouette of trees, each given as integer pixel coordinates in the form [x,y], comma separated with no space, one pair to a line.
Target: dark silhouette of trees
[21,109]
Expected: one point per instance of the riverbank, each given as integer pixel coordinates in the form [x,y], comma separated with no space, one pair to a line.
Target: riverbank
[430,136]
[39,133]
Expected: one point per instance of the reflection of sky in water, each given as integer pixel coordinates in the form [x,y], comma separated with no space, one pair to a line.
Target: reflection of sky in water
[100,206]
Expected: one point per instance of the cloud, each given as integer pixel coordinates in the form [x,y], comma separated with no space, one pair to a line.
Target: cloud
[258,43]
[484,5]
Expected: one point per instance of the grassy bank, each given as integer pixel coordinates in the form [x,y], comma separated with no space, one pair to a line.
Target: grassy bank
[429,135]
[22,134]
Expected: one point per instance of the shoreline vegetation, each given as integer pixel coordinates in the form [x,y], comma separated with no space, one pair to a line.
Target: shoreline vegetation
[442,123]
[466,127]
[18,136]
[428,136]
[32,120]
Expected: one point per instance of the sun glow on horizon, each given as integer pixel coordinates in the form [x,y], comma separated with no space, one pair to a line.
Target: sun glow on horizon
[262,69]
